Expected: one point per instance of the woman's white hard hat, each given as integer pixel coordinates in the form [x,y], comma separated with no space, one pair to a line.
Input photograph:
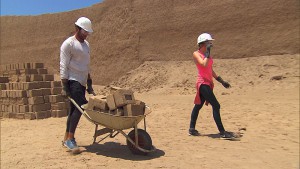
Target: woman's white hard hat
[204,37]
[85,24]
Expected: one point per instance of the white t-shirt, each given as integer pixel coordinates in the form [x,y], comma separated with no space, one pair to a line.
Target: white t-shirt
[75,60]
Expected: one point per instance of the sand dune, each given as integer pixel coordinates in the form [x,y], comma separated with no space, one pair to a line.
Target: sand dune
[128,33]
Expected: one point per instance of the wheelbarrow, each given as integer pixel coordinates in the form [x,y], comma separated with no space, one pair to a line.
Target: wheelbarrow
[138,140]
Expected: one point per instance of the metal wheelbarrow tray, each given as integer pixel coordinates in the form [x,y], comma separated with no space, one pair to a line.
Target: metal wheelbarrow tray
[138,140]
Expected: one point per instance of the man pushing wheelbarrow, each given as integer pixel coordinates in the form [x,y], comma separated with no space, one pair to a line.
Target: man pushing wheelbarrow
[75,76]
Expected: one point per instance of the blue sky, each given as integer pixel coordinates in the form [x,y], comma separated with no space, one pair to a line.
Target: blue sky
[38,7]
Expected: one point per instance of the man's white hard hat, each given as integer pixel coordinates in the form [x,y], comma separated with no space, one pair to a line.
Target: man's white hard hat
[204,37]
[85,24]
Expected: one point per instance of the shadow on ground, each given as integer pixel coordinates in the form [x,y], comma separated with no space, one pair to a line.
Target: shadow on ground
[116,150]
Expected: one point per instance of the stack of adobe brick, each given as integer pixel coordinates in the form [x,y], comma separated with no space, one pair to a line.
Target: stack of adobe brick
[27,91]
[120,102]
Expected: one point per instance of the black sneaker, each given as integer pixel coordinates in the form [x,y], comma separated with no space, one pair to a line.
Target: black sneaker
[227,135]
[193,132]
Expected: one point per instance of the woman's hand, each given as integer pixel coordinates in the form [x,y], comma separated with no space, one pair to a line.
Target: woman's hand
[224,83]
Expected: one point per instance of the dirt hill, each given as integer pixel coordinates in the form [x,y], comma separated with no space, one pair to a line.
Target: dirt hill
[130,32]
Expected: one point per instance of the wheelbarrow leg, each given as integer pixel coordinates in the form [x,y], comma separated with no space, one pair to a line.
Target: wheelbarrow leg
[145,123]
[136,134]
[101,132]
[96,128]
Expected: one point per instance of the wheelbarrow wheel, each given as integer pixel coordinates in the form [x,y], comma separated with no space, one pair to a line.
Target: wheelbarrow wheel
[144,141]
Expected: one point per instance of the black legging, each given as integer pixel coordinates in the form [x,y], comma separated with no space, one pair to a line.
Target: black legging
[78,94]
[206,94]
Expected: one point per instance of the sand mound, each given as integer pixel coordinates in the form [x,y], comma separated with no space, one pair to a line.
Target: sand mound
[128,33]
[159,74]
[180,76]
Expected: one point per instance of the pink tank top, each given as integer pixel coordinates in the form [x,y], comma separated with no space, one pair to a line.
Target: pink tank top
[205,76]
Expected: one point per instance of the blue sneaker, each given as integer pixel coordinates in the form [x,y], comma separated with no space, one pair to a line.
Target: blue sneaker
[71,144]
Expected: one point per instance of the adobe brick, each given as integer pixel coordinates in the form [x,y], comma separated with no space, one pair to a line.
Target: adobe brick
[24,100]
[134,109]
[41,107]
[8,67]
[56,84]
[46,91]
[59,113]
[3,93]
[36,65]
[60,105]
[117,112]
[16,108]
[97,102]
[123,97]
[23,108]
[24,78]
[46,98]
[36,100]
[29,115]
[2,86]
[4,80]
[42,71]
[56,98]
[14,78]
[30,85]
[20,115]
[45,84]
[27,66]
[56,90]
[34,92]
[14,100]
[21,66]
[113,89]
[10,108]
[48,77]
[7,115]
[5,100]
[42,114]
[36,78]
[111,102]
[14,72]
[21,93]
[28,71]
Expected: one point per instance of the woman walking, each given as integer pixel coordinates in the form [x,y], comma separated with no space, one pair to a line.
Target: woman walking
[205,85]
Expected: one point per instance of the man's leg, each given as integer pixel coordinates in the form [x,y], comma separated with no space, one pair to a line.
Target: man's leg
[78,94]
[72,108]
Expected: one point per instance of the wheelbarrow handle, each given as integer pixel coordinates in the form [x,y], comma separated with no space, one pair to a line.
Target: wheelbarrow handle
[77,106]
[149,110]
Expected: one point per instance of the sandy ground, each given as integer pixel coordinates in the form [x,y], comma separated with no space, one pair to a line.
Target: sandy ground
[268,109]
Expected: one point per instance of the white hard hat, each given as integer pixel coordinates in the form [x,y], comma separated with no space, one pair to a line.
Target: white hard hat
[85,24]
[204,37]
